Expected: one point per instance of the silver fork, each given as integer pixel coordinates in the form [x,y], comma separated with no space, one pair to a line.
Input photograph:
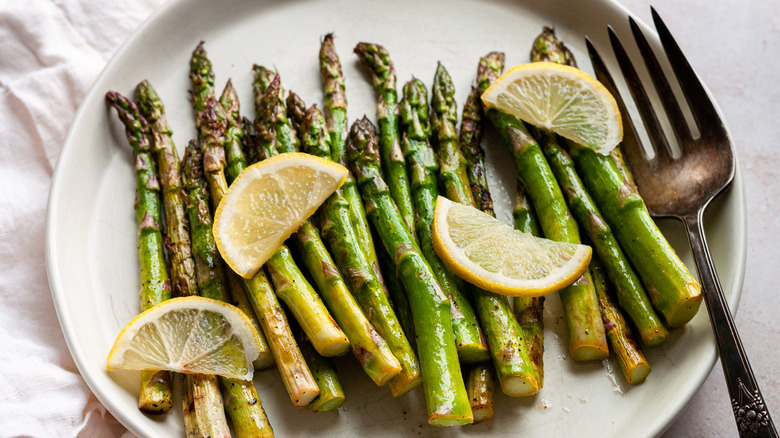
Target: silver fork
[682,187]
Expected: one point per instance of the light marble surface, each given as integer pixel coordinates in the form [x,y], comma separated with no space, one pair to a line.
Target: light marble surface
[733,47]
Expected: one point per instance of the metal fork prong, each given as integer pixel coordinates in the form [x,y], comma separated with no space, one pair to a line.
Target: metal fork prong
[702,108]
[631,146]
[643,104]
[673,111]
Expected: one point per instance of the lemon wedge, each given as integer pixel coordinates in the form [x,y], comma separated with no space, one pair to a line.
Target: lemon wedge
[560,99]
[268,202]
[188,335]
[494,256]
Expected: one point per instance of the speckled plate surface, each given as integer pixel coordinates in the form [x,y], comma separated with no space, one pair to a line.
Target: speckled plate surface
[91,236]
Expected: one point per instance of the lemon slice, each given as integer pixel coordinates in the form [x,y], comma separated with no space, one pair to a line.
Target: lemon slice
[561,99]
[494,256]
[268,202]
[188,335]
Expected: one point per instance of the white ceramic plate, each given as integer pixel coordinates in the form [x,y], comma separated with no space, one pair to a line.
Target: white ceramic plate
[91,242]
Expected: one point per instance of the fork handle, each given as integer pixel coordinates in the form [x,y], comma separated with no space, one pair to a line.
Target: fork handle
[750,411]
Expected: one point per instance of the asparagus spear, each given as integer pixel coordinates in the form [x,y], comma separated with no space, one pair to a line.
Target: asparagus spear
[241,401]
[155,286]
[444,118]
[399,302]
[470,137]
[445,392]
[480,388]
[297,377]
[631,295]
[202,79]
[286,137]
[245,410]
[208,267]
[233,133]
[529,311]
[336,121]
[291,286]
[296,113]
[673,290]
[548,48]
[621,340]
[218,132]
[178,236]
[203,407]
[422,168]
[377,60]
[524,215]
[324,370]
[370,348]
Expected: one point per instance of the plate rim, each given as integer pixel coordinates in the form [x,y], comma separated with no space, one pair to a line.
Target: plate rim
[62,310]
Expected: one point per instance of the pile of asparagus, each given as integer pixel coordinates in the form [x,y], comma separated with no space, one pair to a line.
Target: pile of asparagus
[379,289]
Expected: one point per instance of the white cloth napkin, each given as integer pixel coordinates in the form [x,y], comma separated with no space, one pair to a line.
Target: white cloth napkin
[50,53]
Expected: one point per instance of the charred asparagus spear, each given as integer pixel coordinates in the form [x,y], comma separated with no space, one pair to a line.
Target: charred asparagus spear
[445,392]
[368,289]
[155,286]
[377,60]
[336,121]
[423,169]
[209,270]
[632,362]
[203,407]
[286,137]
[480,388]
[178,236]
[202,80]
[291,286]
[233,133]
[370,348]
[296,113]
[245,410]
[297,377]
[444,119]
[631,295]
[674,291]
[529,311]
[324,370]
[241,401]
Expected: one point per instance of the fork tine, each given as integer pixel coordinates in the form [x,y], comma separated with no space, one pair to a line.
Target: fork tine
[649,118]
[661,84]
[703,110]
[631,146]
